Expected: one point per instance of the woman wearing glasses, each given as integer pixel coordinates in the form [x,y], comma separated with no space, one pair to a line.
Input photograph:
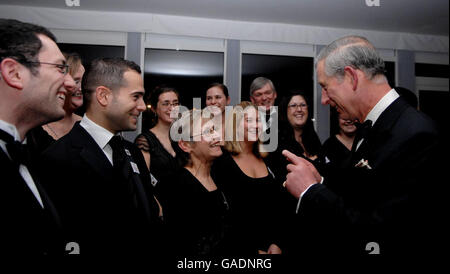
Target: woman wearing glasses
[155,143]
[197,208]
[296,134]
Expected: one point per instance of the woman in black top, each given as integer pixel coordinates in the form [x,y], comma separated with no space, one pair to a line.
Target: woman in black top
[337,149]
[196,208]
[155,143]
[296,134]
[253,195]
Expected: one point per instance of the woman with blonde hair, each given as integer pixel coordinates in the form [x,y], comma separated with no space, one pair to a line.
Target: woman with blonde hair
[249,185]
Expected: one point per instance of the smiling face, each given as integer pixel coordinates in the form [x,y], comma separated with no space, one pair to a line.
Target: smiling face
[346,125]
[216,97]
[336,92]
[208,147]
[74,100]
[126,103]
[264,96]
[167,101]
[297,111]
[249,126]
[46,91]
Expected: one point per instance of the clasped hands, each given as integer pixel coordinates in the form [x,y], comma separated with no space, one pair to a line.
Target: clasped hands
[301,174]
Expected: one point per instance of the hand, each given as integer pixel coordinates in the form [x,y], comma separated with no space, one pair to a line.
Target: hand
[273,249]
[301,174]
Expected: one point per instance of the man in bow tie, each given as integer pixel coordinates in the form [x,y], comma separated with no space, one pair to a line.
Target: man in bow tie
[386,194]
[102,185]
[33,85]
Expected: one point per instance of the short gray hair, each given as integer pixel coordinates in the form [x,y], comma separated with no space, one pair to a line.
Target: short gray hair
[260,82]
[354,51]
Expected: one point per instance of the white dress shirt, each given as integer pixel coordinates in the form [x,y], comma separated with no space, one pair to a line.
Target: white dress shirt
[23,170]
[381,106]
[100,135]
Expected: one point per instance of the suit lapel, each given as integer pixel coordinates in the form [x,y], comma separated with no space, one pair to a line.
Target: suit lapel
[381,130]
[134,179]
[90,152]
[17,178]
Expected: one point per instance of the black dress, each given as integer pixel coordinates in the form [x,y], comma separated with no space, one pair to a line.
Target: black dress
[197,218]
[38,140]
[162,164]
[336,153]
[255,207]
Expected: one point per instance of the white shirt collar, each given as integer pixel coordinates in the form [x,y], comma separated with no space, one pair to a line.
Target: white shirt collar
[100,135]
[11,129]
[382,105]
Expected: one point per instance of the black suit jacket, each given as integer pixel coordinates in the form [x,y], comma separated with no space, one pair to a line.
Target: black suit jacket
[394,202]
[95,206]
[27,228]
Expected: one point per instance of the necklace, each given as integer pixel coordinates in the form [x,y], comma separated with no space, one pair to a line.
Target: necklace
[51,129]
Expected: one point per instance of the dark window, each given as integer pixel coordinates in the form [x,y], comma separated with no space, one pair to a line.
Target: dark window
[189,72]
[432,70]
[89,53]
[390,72]
[435,104]
[286,72]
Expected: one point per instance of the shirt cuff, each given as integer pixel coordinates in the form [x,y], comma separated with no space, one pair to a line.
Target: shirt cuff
[303,193]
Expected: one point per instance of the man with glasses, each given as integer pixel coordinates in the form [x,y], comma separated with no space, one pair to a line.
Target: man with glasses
[33,86]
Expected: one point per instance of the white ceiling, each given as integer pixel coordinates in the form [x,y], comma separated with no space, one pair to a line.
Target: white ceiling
[412,16]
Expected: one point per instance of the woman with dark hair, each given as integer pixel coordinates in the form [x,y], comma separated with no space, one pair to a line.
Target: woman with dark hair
[296,133]
[217,96]
[196,207]
[336,149]
[155,143]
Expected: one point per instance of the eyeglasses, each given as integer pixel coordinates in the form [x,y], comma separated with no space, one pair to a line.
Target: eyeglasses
[207,132]
[295,106]
[63,68]
[166,104]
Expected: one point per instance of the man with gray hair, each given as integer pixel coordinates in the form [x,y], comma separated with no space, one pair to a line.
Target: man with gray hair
[382,201]
[263,95]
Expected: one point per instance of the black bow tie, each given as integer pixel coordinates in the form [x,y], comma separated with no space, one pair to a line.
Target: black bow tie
[19,152]
[363,130]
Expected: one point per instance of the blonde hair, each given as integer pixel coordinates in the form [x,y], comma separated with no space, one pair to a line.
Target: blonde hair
[232,124]
[73,60]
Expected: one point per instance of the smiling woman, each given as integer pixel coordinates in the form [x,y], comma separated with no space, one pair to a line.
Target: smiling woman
[155,143]
[196,208]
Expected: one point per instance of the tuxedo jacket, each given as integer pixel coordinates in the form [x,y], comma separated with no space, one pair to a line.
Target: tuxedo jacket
[27,228]
[96,208]
[392,201]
